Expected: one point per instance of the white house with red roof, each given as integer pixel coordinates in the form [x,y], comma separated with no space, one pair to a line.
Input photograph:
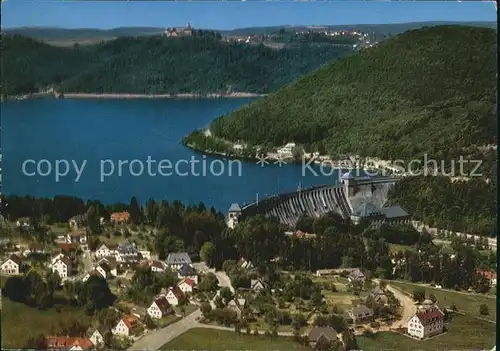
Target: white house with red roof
[159,308]
[186,285]
[125,326]
[155,266]
[174,295]
[428,321]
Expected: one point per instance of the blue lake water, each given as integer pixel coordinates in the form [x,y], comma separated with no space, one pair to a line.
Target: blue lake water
[114,130]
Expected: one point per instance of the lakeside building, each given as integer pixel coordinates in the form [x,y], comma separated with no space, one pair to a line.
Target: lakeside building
[359,196]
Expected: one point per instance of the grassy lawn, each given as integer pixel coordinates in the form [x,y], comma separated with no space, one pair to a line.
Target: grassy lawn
[465,302]
[464,333]
[171,318]
[20,322]
[221,340]
[395,248]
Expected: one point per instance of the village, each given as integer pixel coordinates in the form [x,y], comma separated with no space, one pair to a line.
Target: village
[330,306]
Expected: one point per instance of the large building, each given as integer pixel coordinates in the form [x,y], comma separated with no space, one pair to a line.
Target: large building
[359,196]
[428,321]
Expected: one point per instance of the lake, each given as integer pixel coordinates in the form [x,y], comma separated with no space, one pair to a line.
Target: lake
[85,140]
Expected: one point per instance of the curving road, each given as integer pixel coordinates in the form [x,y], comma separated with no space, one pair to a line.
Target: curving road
[408,305]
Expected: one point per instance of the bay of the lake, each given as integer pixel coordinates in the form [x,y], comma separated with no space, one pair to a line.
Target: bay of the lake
[103,132]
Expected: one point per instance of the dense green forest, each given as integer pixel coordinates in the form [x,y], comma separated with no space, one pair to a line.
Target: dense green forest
[202,63]
[469,207]
[428,91]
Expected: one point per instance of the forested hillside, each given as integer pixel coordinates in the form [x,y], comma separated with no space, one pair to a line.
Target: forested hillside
[198,64]
[431,90]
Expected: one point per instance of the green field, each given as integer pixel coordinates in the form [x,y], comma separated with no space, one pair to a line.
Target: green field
[464,333]
[220,340]
[465,302]
[20,322]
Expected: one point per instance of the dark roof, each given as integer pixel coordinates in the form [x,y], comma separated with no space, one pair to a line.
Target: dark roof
[235,208]
[366,209]
[186,270]
[328,332]
[357,174]
[178,258]
[395,211]
[162,304]
[356,274]
[362,311]
[15,259]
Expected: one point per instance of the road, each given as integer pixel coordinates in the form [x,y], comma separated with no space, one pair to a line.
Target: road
[156,339]
[408,305]
[224,280]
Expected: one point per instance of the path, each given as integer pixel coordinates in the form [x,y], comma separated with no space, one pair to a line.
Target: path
[156,339]
[407,304]
[210,326]
[224,280]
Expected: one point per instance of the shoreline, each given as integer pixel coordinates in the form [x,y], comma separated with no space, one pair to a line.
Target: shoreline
[126,96]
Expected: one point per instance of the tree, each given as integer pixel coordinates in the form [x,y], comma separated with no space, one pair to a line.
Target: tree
[38,342]
[93,221]
[206,309]
[135,211]
[209,282]
[226,294]
[94,294]
[484,310]
[383,284]
[433,298]
[207,253]
[350,342]
[419,294]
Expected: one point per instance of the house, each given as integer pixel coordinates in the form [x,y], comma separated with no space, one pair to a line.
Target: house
[233,215]
[321,334]
[176,260]
[256,285]
[125,326]
[174,295]
[94,273]
[97,336]
[106,269]
[69,343]
[68,248]
[55,257]
[12,265]
[186,285]
[37,248]
[490,276]
[127,252]
[427,321]
[356,276]
[359,315]
[62,267]
[106,250]
[155,266]
[76,238]
[78,221]
[187,271]
[159,308]
[378,295]
[237,305]
[120,217]
[244,263]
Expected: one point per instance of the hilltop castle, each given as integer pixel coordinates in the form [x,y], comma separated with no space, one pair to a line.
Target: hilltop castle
[181,31]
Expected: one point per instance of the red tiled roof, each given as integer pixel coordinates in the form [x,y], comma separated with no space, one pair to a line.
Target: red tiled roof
[188,281]
[157,264]
[129,321]
[67,247]
[162,304]
[424,317]
[66,343]
[177,292]
[120,216]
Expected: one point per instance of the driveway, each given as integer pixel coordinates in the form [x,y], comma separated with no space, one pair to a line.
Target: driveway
[408,305]
[224,280]
[156,339]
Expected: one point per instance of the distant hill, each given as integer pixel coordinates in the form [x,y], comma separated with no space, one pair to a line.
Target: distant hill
[431,90]
[62,36]
[200,64]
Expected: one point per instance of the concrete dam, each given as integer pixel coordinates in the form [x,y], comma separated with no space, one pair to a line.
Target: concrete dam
[358,196]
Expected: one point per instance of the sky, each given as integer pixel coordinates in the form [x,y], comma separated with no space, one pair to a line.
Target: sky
[234,14]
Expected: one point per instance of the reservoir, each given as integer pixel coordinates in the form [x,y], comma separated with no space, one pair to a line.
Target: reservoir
[111,150]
